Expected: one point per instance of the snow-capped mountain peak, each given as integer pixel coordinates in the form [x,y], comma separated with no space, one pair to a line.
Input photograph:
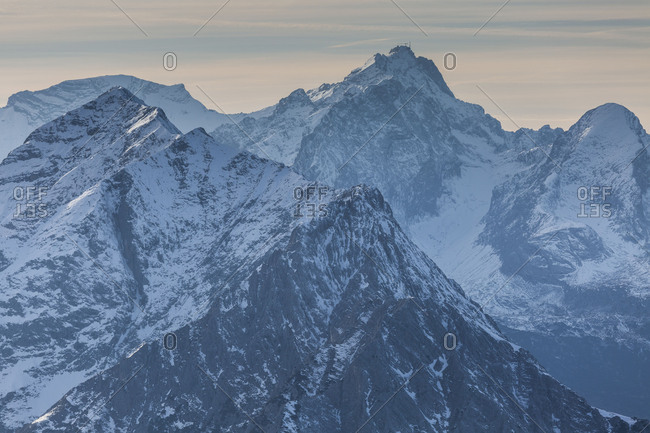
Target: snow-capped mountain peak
[106,171]
[64,137]
[609,121]
[296,99]
[116,95]
[74,149]
[374,92]
[400,63]
[28,110]
[608,137]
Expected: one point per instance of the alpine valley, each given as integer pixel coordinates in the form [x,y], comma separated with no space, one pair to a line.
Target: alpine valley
[154,277]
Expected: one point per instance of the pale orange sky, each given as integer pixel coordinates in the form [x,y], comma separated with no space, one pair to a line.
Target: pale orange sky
[541,61]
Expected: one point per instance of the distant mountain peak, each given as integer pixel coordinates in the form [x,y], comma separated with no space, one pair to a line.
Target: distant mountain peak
[198,132]
[117,95]
[28,110]
[609,120]
[609,110]
[131,127]
[401,63]
[123,106]
[20,98]
[297,97]
[403,50]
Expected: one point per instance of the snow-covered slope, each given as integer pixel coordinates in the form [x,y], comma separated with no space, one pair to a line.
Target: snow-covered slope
[26,111]
[480,201]
[84,163]
[588,223]
[292,322]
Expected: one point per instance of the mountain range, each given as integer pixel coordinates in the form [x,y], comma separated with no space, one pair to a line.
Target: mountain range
[290,319]
[280,321]
[503,213]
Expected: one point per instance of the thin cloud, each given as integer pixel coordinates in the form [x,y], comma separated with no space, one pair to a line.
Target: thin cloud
[353,44]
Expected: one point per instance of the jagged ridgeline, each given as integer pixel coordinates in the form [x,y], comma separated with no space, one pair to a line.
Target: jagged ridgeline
[283,319]
[481,201]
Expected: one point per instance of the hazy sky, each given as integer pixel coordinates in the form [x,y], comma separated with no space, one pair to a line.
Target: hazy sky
[541,61]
